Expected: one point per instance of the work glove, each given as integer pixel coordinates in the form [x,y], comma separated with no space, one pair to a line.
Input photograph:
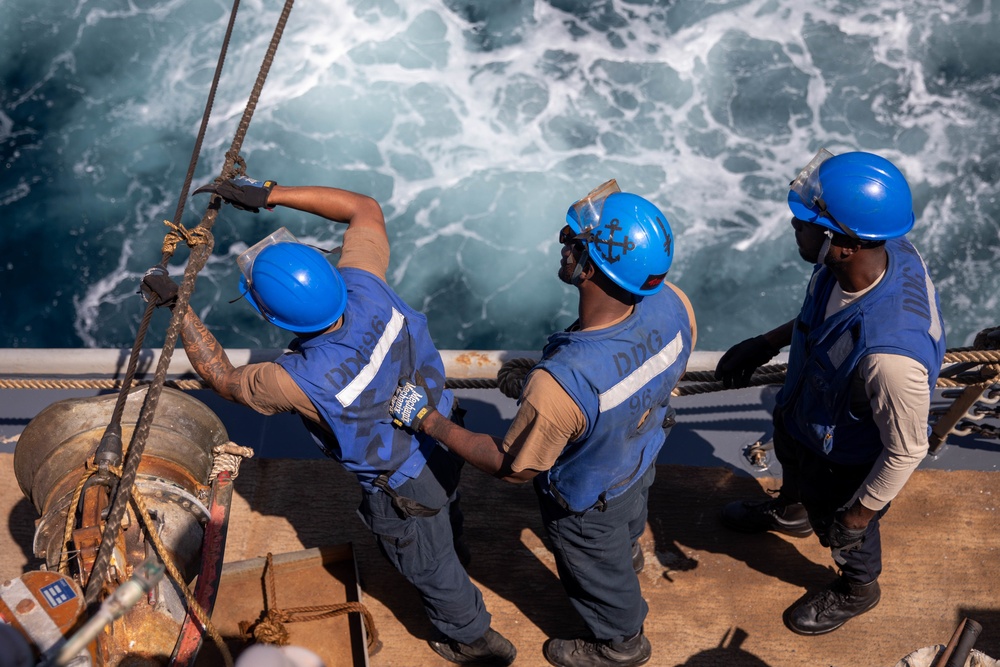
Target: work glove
[158,284]
[410,405]
[241,192]
[738,364]
[839,536]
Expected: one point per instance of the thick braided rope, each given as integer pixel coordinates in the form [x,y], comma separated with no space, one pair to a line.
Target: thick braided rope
[270,629]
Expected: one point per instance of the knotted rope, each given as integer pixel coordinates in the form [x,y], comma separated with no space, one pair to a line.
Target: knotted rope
[269,628]
[200,252]
[227,457]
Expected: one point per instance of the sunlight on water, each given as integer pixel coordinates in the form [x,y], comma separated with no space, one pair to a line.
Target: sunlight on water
[476,124]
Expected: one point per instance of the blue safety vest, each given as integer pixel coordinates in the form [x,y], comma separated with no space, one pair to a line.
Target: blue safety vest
[620,378]
[901,315]
[350,375]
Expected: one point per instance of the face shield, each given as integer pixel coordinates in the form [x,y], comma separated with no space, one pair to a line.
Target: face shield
[587,211]
[807,184]
[245,261]
[583,217]
[805,196]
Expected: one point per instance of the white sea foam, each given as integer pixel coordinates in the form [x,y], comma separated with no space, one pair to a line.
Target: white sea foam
[475,124]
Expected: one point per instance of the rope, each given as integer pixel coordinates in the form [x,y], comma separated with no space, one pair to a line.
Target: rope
[227,458]
[57,383]
[200,253]
[71,520]
[269,627]
[206,114]
[232,155]
[193,607]
[153,535]
[510,377]
[470,383]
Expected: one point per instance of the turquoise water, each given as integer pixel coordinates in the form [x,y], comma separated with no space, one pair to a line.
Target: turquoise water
[475,124]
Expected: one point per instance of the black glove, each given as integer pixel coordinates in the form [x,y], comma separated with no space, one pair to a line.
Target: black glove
[157,283]
[241,192]
[839,536]
[741,360]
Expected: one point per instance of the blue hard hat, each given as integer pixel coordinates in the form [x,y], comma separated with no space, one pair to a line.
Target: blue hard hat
[294,287]
[859,194]
[631,243]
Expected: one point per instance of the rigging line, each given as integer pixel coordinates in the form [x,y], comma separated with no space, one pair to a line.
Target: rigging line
[233,154]
[182,199]
[196,261]
[133,363]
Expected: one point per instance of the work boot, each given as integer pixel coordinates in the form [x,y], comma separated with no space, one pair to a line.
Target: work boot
[638,559]
[490,649]
[749,516]
[829,609]
[594,653]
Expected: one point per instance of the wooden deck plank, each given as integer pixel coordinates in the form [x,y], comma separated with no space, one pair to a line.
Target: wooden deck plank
[715,597]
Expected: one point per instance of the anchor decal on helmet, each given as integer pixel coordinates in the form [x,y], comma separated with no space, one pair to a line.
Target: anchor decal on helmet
[610,243]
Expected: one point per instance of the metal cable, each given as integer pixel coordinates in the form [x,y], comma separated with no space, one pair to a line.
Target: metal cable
[197,260]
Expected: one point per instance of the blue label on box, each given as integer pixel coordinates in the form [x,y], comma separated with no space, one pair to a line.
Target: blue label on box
[58,593]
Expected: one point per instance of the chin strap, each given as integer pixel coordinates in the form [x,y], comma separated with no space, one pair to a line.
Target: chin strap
[580,264]
[825,248]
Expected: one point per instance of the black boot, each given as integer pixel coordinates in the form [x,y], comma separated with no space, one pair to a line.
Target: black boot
[593,653]
[638,559]
[776,514]
[829,609]
[490,649]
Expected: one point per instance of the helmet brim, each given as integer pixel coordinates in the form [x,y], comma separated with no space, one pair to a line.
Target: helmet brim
[807,213]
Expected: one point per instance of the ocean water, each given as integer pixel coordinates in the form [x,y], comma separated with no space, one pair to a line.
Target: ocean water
[476,124]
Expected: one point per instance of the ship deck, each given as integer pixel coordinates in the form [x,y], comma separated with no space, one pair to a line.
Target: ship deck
[715,597]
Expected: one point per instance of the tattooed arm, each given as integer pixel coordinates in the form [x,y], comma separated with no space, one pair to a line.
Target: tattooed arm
[209,359]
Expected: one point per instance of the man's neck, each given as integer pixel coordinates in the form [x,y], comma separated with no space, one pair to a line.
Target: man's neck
[600,310]
[863,271]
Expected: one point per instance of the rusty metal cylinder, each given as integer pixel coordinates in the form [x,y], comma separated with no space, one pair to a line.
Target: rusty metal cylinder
[52,454]
[55,455]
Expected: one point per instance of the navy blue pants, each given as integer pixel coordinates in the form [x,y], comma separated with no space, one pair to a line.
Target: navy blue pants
[594,558]
[422,548]
[823,487]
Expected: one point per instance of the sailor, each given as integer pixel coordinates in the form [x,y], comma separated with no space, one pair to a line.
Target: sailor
[355,339]
[850,423]
[591,418]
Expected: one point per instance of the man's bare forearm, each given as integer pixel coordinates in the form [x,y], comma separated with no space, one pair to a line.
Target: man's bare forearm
[479,449]
[208,358]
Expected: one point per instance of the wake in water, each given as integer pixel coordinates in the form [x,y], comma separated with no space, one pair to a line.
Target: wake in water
[475,124]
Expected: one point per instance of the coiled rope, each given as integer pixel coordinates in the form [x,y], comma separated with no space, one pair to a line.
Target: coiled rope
[269,628]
